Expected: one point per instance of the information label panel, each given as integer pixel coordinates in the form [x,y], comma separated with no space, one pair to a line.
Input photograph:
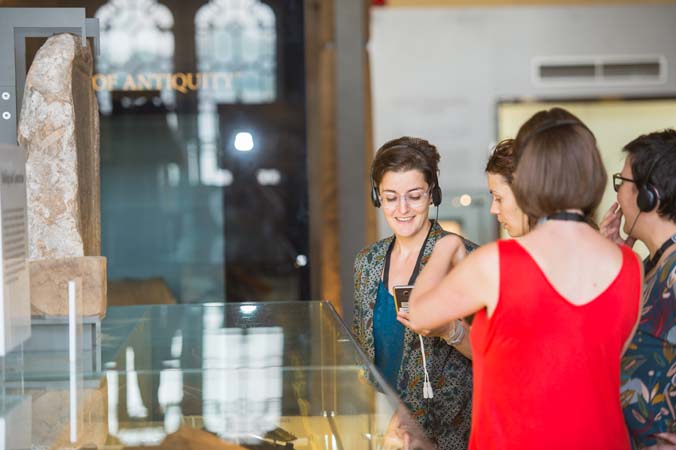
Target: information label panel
[14,295]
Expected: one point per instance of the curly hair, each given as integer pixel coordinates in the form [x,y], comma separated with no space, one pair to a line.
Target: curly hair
[501,161]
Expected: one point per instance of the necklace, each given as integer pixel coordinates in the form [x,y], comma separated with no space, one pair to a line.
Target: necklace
[564,215]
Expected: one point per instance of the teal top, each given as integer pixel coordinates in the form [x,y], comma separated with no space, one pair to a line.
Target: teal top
[388,336]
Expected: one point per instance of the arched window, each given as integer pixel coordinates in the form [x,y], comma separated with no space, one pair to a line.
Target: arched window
[136,38]
[236,39]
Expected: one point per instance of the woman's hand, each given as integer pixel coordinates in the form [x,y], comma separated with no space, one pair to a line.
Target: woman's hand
[396,437]
[665,441]
[403,433]
[442,331]
[610,226]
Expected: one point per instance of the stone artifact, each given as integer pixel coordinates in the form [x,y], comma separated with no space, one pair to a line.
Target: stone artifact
[59,129]
[187,438]
[149,291]
[49,285]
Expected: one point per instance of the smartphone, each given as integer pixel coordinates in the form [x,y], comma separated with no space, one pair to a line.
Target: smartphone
[401,297]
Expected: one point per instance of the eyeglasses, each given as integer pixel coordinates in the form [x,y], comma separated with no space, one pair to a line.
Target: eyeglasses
[618,179]
[416,199]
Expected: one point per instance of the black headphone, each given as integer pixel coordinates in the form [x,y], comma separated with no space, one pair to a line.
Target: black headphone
[648,195]
[436,190]
[375,198]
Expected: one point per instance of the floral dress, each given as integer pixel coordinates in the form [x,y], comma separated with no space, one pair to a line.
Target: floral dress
[648,390]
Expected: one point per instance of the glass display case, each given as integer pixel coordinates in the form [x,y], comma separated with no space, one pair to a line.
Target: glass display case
[222,375]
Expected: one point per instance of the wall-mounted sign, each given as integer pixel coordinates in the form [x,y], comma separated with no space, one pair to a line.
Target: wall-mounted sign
[179,81]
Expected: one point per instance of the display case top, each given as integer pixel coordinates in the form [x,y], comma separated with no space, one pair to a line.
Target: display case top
[215,375]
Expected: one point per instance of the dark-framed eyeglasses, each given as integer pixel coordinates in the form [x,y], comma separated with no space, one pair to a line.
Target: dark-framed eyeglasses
[618,179]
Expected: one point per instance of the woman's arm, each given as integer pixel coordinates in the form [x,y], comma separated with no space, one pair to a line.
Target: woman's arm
[665,441]
[441,294]
[447,329]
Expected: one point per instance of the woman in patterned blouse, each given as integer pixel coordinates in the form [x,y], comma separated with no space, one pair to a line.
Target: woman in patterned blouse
[646,194]
[404,185]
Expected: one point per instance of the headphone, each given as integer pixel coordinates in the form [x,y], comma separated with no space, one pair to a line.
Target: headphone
[436,190]
[648,195]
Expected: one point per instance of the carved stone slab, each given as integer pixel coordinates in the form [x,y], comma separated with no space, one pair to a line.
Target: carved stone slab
[59,128]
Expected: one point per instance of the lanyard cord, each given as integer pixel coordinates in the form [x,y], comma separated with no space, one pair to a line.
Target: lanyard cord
[650,263]
[427,385]
[416,269]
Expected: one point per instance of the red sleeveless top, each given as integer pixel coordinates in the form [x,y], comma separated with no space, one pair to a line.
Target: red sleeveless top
[547,372]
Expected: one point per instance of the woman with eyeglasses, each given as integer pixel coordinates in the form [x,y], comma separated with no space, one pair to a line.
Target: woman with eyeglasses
[436,389]
[554,309]
[646,198]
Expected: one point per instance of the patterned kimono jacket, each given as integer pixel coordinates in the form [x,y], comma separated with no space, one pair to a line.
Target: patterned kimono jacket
[446,418]
[648,370]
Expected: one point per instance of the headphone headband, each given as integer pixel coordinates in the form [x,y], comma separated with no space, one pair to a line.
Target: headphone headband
[436,190]
[648,195]
[646,180]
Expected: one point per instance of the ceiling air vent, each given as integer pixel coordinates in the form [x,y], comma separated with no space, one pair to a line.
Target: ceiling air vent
[599,70]
[565,71]
[643,70]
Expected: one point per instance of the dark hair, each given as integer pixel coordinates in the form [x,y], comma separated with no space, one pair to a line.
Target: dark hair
[406,153]
[653,161]
[501,161]
[558,165]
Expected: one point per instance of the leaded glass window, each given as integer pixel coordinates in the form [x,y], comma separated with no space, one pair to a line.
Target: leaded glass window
[237,37]
[137,48]
[236,43]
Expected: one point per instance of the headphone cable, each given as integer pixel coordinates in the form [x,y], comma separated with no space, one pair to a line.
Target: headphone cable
[427,385]
[633,224]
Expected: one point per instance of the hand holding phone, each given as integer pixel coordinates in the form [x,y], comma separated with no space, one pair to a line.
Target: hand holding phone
[401,297]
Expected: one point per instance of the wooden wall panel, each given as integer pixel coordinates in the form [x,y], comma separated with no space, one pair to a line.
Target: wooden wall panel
[321,142]
[322,148]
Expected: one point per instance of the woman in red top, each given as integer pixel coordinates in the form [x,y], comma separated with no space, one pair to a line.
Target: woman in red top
[555,309]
